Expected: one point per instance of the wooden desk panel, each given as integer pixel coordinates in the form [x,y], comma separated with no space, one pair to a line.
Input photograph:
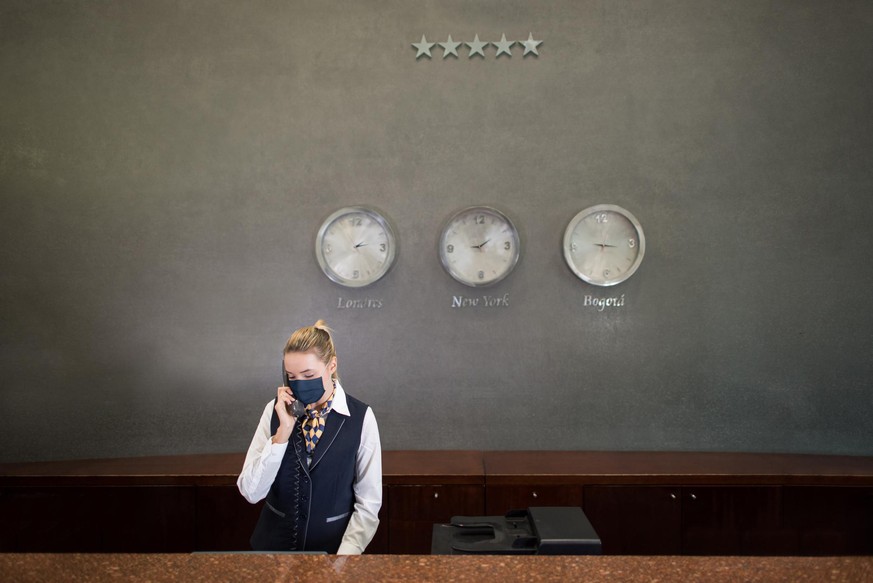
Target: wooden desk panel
[476,467]
[407,467]
[398,467]
[674,468]
[182,503]
[150,519]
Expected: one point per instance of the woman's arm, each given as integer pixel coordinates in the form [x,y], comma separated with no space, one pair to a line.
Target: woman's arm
[368,490]
[262,461]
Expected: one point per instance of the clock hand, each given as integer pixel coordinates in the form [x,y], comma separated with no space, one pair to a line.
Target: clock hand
[481,244]
[362,244]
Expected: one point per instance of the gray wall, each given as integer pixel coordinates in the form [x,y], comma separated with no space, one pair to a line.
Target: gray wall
[165,165]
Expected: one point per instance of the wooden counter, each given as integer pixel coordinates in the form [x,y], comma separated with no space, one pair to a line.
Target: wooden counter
[675,468]
[645,503]
[222,469]
[477,467]
[39,568]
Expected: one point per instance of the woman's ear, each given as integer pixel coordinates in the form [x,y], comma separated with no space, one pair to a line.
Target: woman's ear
[332,366]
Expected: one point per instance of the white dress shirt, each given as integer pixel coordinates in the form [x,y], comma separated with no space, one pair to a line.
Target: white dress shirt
[264,458]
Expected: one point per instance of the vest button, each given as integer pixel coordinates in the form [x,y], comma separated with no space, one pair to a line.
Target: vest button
[303,516]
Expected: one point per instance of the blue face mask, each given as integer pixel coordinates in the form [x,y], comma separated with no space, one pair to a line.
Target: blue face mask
[307,391]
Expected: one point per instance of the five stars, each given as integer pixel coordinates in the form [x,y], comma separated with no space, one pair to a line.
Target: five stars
[477,47]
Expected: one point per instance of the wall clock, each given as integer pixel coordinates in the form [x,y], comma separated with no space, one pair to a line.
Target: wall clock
[479,246]
[355,246]
[604,245]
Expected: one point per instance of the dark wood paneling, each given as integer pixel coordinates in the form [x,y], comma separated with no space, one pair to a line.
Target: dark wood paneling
[700,520]
[433,467]
[830,520]
[151,519]
[40,520]
[674,468]
[225,520]
[501,499]
[468,467]
[415,509]
[733,520]
[743,503]
[643,520]
[188,470]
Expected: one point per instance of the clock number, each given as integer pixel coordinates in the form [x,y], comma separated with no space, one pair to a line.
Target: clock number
[601,217]
[573,247]
[328,249]
[606,273]
[507,246]
[631,243]
[480,219]
[481,275]
[450,249]
[382,247]
[356,221]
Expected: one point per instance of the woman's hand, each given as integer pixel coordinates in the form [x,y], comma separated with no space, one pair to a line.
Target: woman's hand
[286,420]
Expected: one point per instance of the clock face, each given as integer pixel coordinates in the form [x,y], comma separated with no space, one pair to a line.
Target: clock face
[479,246]
[604,245]
[355,246]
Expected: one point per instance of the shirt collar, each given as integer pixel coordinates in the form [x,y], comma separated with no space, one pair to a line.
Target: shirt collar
[340,405]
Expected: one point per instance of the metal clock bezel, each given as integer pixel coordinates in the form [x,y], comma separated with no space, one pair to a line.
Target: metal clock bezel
[472,210]
[568,232]
[377,217]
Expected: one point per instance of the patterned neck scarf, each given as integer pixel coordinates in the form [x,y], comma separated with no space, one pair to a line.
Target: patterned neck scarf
[313,425]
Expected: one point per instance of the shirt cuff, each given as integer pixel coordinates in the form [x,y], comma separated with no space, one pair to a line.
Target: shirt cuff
[348,549]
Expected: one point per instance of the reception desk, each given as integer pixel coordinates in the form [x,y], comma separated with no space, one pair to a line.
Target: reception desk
[640,503]
[33,568]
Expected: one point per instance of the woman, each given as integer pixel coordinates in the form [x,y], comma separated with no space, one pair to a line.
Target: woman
[320,470]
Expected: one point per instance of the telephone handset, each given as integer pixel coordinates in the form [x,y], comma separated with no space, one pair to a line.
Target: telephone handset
[296,408]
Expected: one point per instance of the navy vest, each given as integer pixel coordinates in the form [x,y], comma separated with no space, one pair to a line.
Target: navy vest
[308,508]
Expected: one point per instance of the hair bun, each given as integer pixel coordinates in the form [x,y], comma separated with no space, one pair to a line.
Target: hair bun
[317,339]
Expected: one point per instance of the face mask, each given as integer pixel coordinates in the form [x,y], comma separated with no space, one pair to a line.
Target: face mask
[307,391]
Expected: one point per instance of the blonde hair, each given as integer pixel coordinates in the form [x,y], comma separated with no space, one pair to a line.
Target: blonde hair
[316,339]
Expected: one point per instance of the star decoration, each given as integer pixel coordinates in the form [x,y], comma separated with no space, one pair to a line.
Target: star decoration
[503,46]
[476,47]
[530,45]
[423,47]
[449,47]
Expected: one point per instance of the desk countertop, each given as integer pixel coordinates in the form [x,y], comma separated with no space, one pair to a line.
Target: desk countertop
[26,568]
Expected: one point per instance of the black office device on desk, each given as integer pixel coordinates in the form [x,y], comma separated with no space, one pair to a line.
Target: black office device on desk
[554,530]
